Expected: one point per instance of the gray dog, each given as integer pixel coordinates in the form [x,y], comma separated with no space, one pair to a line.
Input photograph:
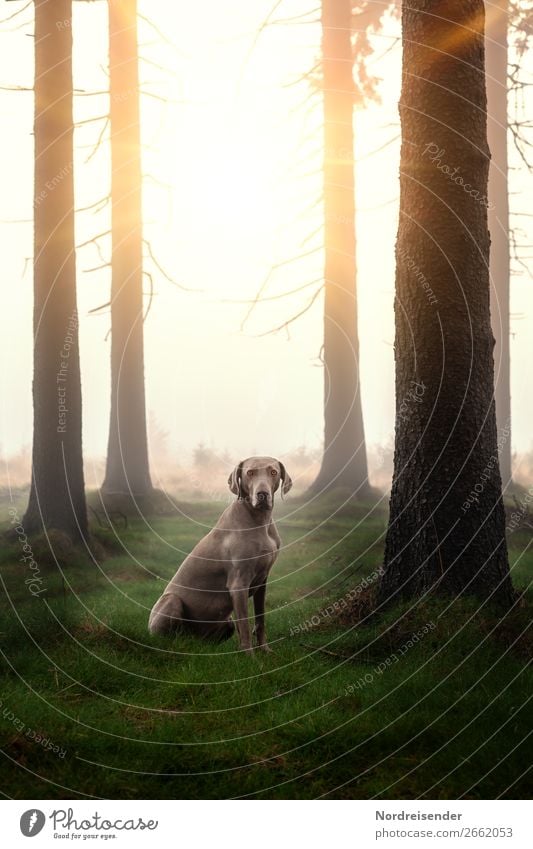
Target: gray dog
[230,564]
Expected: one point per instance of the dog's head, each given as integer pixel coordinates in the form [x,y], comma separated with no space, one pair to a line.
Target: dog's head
[257,479]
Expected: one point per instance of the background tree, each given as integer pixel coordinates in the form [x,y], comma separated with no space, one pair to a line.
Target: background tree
[500,259]
[509,28]
[127,468]
[57,496]
[346,28]
[447,524]
[344,462]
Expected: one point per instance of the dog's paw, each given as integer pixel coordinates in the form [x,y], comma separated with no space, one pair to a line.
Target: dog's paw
[266,648]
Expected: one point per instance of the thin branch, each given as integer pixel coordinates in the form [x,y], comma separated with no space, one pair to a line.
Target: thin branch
[316,11]
[517,139]
[162,35]
[159,97]
[94,238]
[81,92]
[91,120]
[312,235]
[157,181]
[102,307]
[286,324]
[267,278]
[257,36]
[15,88]
[377,59]
[97,268]
[99,140]
[303,77]
[98,203]
[160,67]
[270,297]
[298,19]
[16,14]
[377,150]
[94,241]
[162,270]
[150,295]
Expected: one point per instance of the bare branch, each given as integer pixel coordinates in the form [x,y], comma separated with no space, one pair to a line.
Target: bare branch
[298,19]
[157,181]
[91,120]
[102,307]
[377,150]
[162,270]
[97,268]
[312,235]
[17,13]
[155,96]
[270,297]
[303,77]
[286,324]
[253,45]
[150,294]
[94,241]
[98,142]
[81,92]
[162,35]
[98,203]
[267,279]
[517,138]
[514,251]
[159,67]
[15,88]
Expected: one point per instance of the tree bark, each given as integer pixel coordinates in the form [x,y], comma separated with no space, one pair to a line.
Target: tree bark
[447,525]
[500,260]
[57,494]
[127,469]
[344,461]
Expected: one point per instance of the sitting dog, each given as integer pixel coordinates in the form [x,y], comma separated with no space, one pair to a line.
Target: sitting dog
[230,564]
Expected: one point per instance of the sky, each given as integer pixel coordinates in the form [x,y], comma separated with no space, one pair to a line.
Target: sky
[231,161]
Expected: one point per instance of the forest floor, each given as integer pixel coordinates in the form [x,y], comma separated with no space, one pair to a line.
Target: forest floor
[424,700]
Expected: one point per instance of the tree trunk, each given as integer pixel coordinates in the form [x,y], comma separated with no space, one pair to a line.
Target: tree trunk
[344,461]
[447,525]
[500,260]
[57,494]
[127,469]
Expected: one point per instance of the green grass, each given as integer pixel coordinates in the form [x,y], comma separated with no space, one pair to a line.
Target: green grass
[145,717]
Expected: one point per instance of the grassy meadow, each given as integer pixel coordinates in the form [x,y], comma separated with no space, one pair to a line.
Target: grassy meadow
[349,705]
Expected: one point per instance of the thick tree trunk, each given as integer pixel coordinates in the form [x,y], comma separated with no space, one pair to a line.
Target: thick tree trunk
[127,469]
[447,525]
[57,495]
[344,461]
[500,260]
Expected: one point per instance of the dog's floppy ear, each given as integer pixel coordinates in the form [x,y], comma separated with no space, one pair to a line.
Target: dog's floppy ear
[235,480]
[286,481]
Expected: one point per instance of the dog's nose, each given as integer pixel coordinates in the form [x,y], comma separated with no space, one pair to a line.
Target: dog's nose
[262,496]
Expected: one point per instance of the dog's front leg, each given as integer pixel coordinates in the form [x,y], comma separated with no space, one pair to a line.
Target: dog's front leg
[259,608]
[239,600]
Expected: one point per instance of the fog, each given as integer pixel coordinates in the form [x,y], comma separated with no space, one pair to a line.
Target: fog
[223,219]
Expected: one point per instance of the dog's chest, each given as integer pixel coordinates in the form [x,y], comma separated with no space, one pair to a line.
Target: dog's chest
[264,559]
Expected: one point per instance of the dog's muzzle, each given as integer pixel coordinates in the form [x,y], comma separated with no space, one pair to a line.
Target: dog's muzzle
[263,500]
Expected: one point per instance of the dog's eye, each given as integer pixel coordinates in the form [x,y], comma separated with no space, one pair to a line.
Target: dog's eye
[273,473]
[250,473]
